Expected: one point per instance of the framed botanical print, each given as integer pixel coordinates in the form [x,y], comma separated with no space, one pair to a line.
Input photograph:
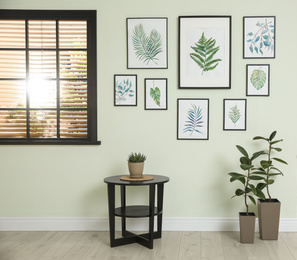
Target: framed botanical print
[257,79]
[155,94]
[147,43]
[258,37]
[204,52]
[192,119]
[125,90]
[235,114]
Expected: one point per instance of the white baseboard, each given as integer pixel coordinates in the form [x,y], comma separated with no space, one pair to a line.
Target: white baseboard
[101,224]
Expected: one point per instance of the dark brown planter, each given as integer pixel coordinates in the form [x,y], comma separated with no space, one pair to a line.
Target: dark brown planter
[247,227]
[269,214]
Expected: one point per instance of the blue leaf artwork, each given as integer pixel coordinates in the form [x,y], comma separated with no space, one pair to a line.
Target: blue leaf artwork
[260,37]
[123,90]
[194,121]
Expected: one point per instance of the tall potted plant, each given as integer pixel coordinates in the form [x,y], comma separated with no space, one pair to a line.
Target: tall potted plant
[247,219]
[269,208]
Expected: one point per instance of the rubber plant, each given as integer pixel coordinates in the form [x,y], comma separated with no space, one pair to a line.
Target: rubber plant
[249,189]
[267,170]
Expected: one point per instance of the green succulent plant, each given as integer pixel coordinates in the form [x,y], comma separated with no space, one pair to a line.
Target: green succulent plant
[136,157]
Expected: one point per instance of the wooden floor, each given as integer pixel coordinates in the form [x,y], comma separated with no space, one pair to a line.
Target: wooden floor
[172,246]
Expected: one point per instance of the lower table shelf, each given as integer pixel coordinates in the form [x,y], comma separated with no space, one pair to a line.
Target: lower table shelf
[135,211]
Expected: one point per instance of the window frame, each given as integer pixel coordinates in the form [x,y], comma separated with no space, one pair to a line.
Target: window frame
[91,17]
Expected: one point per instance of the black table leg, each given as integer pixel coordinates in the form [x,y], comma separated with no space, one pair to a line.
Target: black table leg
[151,218]
[111,208]
[160,193]
[123,205]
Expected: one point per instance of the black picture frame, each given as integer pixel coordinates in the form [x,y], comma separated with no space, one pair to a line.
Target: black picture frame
[192,119]
[156,30]
[214,71]
[259,34]
[125,90]
[258,80]
[155,93]
[235,114]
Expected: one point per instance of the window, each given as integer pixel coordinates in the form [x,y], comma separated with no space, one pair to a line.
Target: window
[48,82]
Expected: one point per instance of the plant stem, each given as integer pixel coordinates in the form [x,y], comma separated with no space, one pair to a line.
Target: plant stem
[247,206]
[269,153]
[245,194]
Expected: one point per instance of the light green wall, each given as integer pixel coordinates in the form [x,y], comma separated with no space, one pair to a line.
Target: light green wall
[67,181]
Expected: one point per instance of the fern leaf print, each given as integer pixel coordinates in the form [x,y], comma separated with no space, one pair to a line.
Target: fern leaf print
[194,121]
[205,51]
[234,114]
[146,47]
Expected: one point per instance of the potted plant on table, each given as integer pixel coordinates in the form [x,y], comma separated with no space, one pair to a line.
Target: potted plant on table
[136,165]
[269,208]
[247,219]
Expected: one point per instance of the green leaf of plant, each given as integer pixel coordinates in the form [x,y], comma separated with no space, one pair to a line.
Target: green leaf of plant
[204,53]
[246,167]
[265,164]
[239,192]
[242,150]
[275,142]
[276,149]
[257,154]
[276,169]
[244,160]
[155,94]
[272,135]
[256,178]
[235,174]
[253,188]
[261,186]
[252,200]
[279,160]
[260,194]
[260,137]
[258,78]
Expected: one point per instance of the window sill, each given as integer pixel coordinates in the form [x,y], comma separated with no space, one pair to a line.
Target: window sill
[48,142]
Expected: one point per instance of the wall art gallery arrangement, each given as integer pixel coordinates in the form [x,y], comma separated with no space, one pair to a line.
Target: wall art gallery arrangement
[204,55]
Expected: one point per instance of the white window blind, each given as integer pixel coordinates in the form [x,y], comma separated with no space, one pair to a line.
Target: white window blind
[44,80]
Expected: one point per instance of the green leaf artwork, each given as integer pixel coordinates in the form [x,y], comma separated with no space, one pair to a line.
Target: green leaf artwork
[262,39]
[204,54]
[194,120]
[234,114]
[146,47]
[258,78]
[155,95]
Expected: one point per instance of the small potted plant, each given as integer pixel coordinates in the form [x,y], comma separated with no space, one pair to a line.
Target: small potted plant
[247,219]
[269,208]
[136,165]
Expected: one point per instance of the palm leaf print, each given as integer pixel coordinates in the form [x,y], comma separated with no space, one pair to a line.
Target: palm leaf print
[146,47]
[194,120]
[234,114]
[204,53]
